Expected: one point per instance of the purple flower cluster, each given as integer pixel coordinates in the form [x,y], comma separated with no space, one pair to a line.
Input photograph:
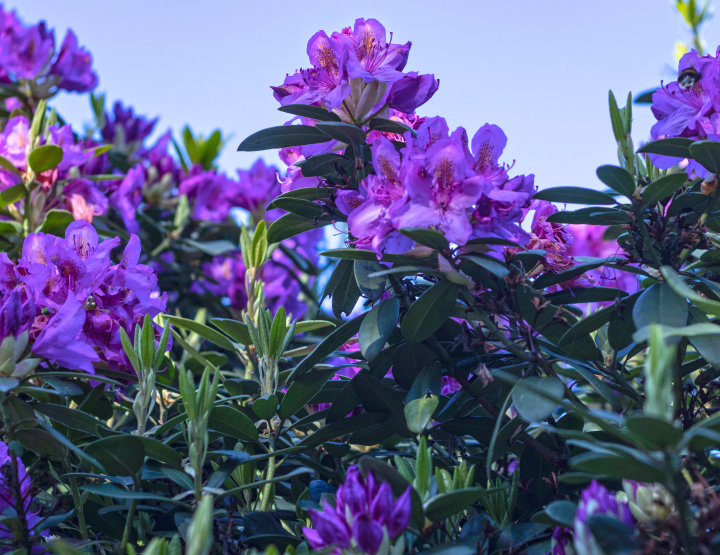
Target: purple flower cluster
[73,300]
[689,109]
[439,180]
[365,511]
[357,73]
[28,55]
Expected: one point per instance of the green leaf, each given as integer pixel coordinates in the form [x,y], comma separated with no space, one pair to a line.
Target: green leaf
[302,389]
[377,327]
[659,433]
[663,188]
[307,111]
[587,325]
[390,126]
[659,304]
[231,422]
[677,147]
[707,153]
[312,325]
[363,254]
[41,443]
[265,407]
[343,132]
[290,225]
[549,279]
[237,331]
[562,513]
[342,428]
[212,248]
[12,194]
[451,503]
[613,537]
[370,285]
[305,193]
[408,362]
[574,195]
[346,292]
[617,179]
[121,455]
[44,158]
[325,164]
[203,331]
[304,208]
[429,312]
[111,490]
[579,295]
[427,237]
[160,451]
[327,346]
[536,398]
[495,267]
[283,136]
[681,288]
[624,467]
[56,222]
[9,166]
[72,418]
[377,397]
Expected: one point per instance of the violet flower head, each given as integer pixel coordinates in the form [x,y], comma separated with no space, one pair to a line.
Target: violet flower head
[596,500]
[412,91]
[26,51]
[127,197]
[14,140]
[16,313]
[256,188]
[73,66]
[371,57]
[124,127]
[365,511]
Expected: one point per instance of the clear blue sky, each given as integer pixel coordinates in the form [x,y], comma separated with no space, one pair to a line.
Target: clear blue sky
[540,70]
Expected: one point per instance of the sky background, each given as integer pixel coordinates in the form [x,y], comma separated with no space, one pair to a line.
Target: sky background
[540,70]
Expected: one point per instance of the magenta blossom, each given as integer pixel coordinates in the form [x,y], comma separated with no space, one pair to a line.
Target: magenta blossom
[26,51]
[412,91]
[365,511]
[371,57]
[596,500]
[73,66]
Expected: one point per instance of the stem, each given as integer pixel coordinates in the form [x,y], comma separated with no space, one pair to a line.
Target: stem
[129,520]
[75,492]
[646,237]
[269,474]
[380,111]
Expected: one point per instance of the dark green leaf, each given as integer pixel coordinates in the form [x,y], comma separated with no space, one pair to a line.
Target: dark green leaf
[290,225]
[327,346]
[707,153]
[492,265]
[579,295]
[617,179]
[11,194]
[536,398]
[265,407]
[444,505]
[663,188]
[304,208]
[562,513]
[72,418]
[111,490]
[427,237]
[574,195]
[677,147]
[658,432]
[203,331]
[613,537]
[390,126]
[371,286]
[121,455]
[549,279]
[659,304]
[343,132]
[346,292]
[429,312]
[231,422]
[342,428]
[44,158]
[409,360]
[625,467]
[237,331]
[302,389]
[377,397]
[6,164]
[377,326]
[56,222]
[307,111]
[160,451]
[325,164]
[587,325]
[283,136]
[41,443]
[306,193]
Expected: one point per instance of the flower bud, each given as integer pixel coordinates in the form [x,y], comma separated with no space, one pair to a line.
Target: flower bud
[412,91]
[648,501]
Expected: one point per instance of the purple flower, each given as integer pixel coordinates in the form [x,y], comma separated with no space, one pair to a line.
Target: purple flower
[208,191]
[562,541]
[14,140]
[58,342]
[74,66]
[84,200]
[371,56]
[364,512]
[596,500]
[256,188]
[124,127]
[73,154]
[25,51]
[127,197]
[412,91]
[16,314]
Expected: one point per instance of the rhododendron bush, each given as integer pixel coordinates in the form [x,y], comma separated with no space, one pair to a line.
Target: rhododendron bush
[395,343]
